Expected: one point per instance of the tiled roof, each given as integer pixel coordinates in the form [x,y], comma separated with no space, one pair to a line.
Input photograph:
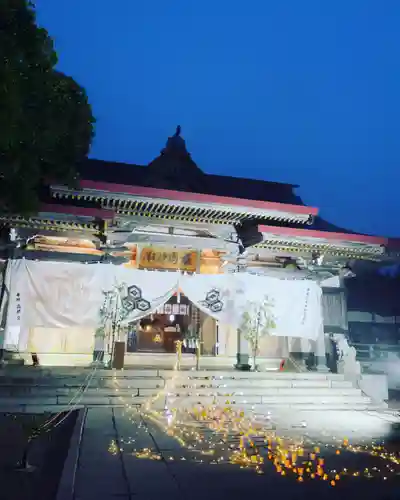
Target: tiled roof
[220,185]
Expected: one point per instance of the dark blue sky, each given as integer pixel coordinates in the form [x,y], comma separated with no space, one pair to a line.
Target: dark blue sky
[298,91]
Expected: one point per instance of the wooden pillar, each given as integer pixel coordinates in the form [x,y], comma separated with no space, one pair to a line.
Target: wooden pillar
[242,356]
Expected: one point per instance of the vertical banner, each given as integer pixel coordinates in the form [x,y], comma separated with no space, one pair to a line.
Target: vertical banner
[14,305]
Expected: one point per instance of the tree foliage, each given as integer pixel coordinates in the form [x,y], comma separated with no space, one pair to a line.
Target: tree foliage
[46,122]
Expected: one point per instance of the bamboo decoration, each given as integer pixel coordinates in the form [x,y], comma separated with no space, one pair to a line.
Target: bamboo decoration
[197,354]
[178,346]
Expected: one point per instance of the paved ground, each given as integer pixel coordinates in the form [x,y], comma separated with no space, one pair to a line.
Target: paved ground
[221,454]
[47,455]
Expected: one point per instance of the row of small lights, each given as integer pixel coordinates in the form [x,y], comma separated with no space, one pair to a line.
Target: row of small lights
[253,439]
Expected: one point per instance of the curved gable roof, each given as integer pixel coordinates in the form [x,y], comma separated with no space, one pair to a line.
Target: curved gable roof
[219,185]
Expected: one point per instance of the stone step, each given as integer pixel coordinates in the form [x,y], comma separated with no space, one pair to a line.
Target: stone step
[178,377]
[264,409]
[14,362]
[185,389]
[157,382]
[224,400]
[155,385]
[85,400]
[14,407]
[261,383]
[300,392]
[31,374]
[184,401]
[13,359]
[74,384]
[237,375]
[39,392]
[34,373]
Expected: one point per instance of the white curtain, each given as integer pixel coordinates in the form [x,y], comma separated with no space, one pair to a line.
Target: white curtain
[215,294]
[294,306]
[65,295]
[143,292]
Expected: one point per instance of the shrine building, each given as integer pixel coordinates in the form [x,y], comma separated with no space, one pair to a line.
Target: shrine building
[170,216]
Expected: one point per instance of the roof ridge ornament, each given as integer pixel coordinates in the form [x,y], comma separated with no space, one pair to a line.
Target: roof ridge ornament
[176,145]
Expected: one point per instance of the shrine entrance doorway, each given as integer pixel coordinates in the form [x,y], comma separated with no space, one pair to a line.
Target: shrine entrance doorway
[177,319]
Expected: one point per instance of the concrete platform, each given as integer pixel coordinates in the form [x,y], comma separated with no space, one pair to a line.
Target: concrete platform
[126,454]
[145,359]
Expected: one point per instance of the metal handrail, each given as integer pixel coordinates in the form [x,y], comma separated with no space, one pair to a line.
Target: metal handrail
[375,351]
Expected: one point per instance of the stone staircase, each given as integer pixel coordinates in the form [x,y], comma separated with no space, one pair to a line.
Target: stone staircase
[36,390]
